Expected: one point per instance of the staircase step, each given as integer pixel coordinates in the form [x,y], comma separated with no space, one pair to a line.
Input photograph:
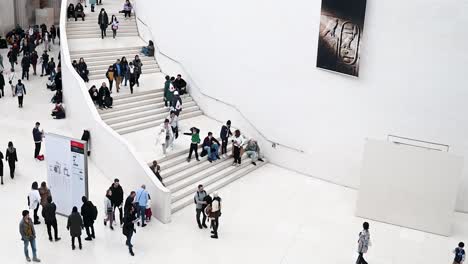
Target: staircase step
[153,102]
[138,96]
[147,115]
[172,166]
[112,57]
[87,36]
[146,119]
[184,197]
[101,73]
[99,51]
[122,96]
[147,64]
[152,124]
[107,62]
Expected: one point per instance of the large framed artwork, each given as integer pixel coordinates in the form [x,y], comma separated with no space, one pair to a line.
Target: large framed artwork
[340,35]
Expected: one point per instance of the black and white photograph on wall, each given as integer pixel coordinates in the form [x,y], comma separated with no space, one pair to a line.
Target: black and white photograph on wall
[340,35]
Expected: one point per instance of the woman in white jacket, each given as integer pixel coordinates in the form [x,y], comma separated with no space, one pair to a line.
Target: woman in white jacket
[34,199]
[165,135]
[363,243]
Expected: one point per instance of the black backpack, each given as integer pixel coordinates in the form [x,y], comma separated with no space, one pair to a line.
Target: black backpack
[94,210]
[459,253]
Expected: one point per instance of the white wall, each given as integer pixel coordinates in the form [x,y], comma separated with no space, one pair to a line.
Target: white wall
[7,16]
[260,56]
[109,151]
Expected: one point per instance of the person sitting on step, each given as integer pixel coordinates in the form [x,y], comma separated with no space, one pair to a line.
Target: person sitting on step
[253,151]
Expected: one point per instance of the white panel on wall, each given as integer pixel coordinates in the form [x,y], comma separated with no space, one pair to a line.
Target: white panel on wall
[409,186]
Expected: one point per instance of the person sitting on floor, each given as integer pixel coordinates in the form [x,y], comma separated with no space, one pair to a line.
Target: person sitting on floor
[105,99]
[71,11]
[94,93]
[58,112]
[253,151]
[148,50]
[79,12]
[211,146]
[58,97]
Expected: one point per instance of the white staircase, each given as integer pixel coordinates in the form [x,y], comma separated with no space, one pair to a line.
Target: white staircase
[90,29]
[138,111]
[99,60]
[182,178]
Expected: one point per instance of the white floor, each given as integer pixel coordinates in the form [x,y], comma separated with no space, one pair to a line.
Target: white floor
[270,216]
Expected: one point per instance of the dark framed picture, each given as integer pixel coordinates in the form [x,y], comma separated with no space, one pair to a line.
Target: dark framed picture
[340,35]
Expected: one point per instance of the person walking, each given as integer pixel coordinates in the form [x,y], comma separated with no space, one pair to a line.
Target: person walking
[25,65]
[53,33]
[363,243]
[11,158]
[117,199]
[142,200]
[37,136]
[28,235]
[129,202]
[117,74]
[2,84]
[168,92]
[34,200]
[44,62]
[165,136]
[200,205]
[34,59]
[125,71]
[174,121]
[459,254]
[103,21]
[138,69]
[195,133]
[12,58]
[132,75]
[215,213]
[129,228]
[50,219]
[75,225]
[1,167]
[114,26]
[110,76]
[108,209]
[224,135]
[44,192]
[89,213]
[20,91]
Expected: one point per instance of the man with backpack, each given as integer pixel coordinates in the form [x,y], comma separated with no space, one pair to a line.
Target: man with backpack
[459,254]
[89,212]
[199,200]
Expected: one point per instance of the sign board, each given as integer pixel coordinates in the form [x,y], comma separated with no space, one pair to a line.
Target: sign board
[67,171]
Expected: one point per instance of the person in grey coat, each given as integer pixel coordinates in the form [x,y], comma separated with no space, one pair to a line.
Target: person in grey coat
[28,235]
[363,243]
[200,203]
[75,224]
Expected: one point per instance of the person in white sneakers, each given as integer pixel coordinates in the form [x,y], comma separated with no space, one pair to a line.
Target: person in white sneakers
[237,142]
[34,200]
[28,235]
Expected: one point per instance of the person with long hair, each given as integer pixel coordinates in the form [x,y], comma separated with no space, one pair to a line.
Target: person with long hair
[34,200]
[108,209]
[114,25]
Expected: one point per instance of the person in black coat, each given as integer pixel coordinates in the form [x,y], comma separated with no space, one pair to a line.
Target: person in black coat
[103,21]
[25,65]
[129,228]
[1,167]
[94,93]
[71,11]
[83,70]
[48,212]
[2,85]
[79,12]
[75,224]
[129,202]
[12,158]
[89,213]
[180,84]
[105,100]
[117,198]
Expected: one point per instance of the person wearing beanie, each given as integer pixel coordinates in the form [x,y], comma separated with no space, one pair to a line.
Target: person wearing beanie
[28,235]
[224,135]
[75,224]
